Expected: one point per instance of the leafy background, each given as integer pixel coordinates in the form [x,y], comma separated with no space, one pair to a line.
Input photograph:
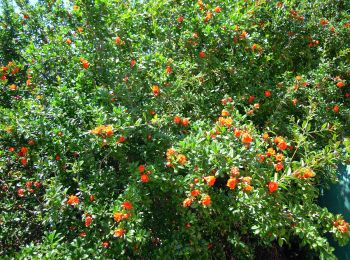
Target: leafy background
[277,62]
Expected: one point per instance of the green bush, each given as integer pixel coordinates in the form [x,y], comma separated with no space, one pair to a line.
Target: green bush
[172,128]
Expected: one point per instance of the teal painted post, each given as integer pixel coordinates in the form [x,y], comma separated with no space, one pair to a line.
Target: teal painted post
[337,200]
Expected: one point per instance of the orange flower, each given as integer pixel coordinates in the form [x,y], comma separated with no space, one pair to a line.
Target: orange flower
[155,90]
[29,184]
[127,205]
[222,121]
[20,192]
[278,166]
[323,22]
[343,229]
[210,180]
[237,132]
[105,244]
[217,9]
[279,157]
[246,180]
[208,16]
[265,136]
[118,216]
[132,63]
[308,173]
[177,120]
[231,183]
[170,152]
[142,168]
[340,84]
[97,130]
[342,226]
[23,151]
[267,93]
[121,139]
[88,220]
[180,19]
[243,35]
[144,178]
[117,40]
[13,87]
[278,139]
[225,113]
[260,157]
[119,232]
[107,130]
[305,173]
[336,109]
[195,193]
[168,70]
[234,171]
[273,186]
[73,200]
[24,161]
[202,55]
[85,63]
[68,41]
[185,122]
[228,122]
[14,71]
[282,145]
[206,200]
[187,202]
[248,188]
[225,121]
[247,138]
[181,159]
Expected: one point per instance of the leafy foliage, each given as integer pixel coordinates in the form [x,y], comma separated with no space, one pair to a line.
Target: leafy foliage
[183,128]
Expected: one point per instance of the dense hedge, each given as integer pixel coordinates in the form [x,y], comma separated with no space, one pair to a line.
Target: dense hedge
[172,129]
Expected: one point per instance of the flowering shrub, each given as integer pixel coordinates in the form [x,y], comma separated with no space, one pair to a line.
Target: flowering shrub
[182,128]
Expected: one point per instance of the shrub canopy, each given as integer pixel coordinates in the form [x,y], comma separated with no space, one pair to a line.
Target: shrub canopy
[172,128]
